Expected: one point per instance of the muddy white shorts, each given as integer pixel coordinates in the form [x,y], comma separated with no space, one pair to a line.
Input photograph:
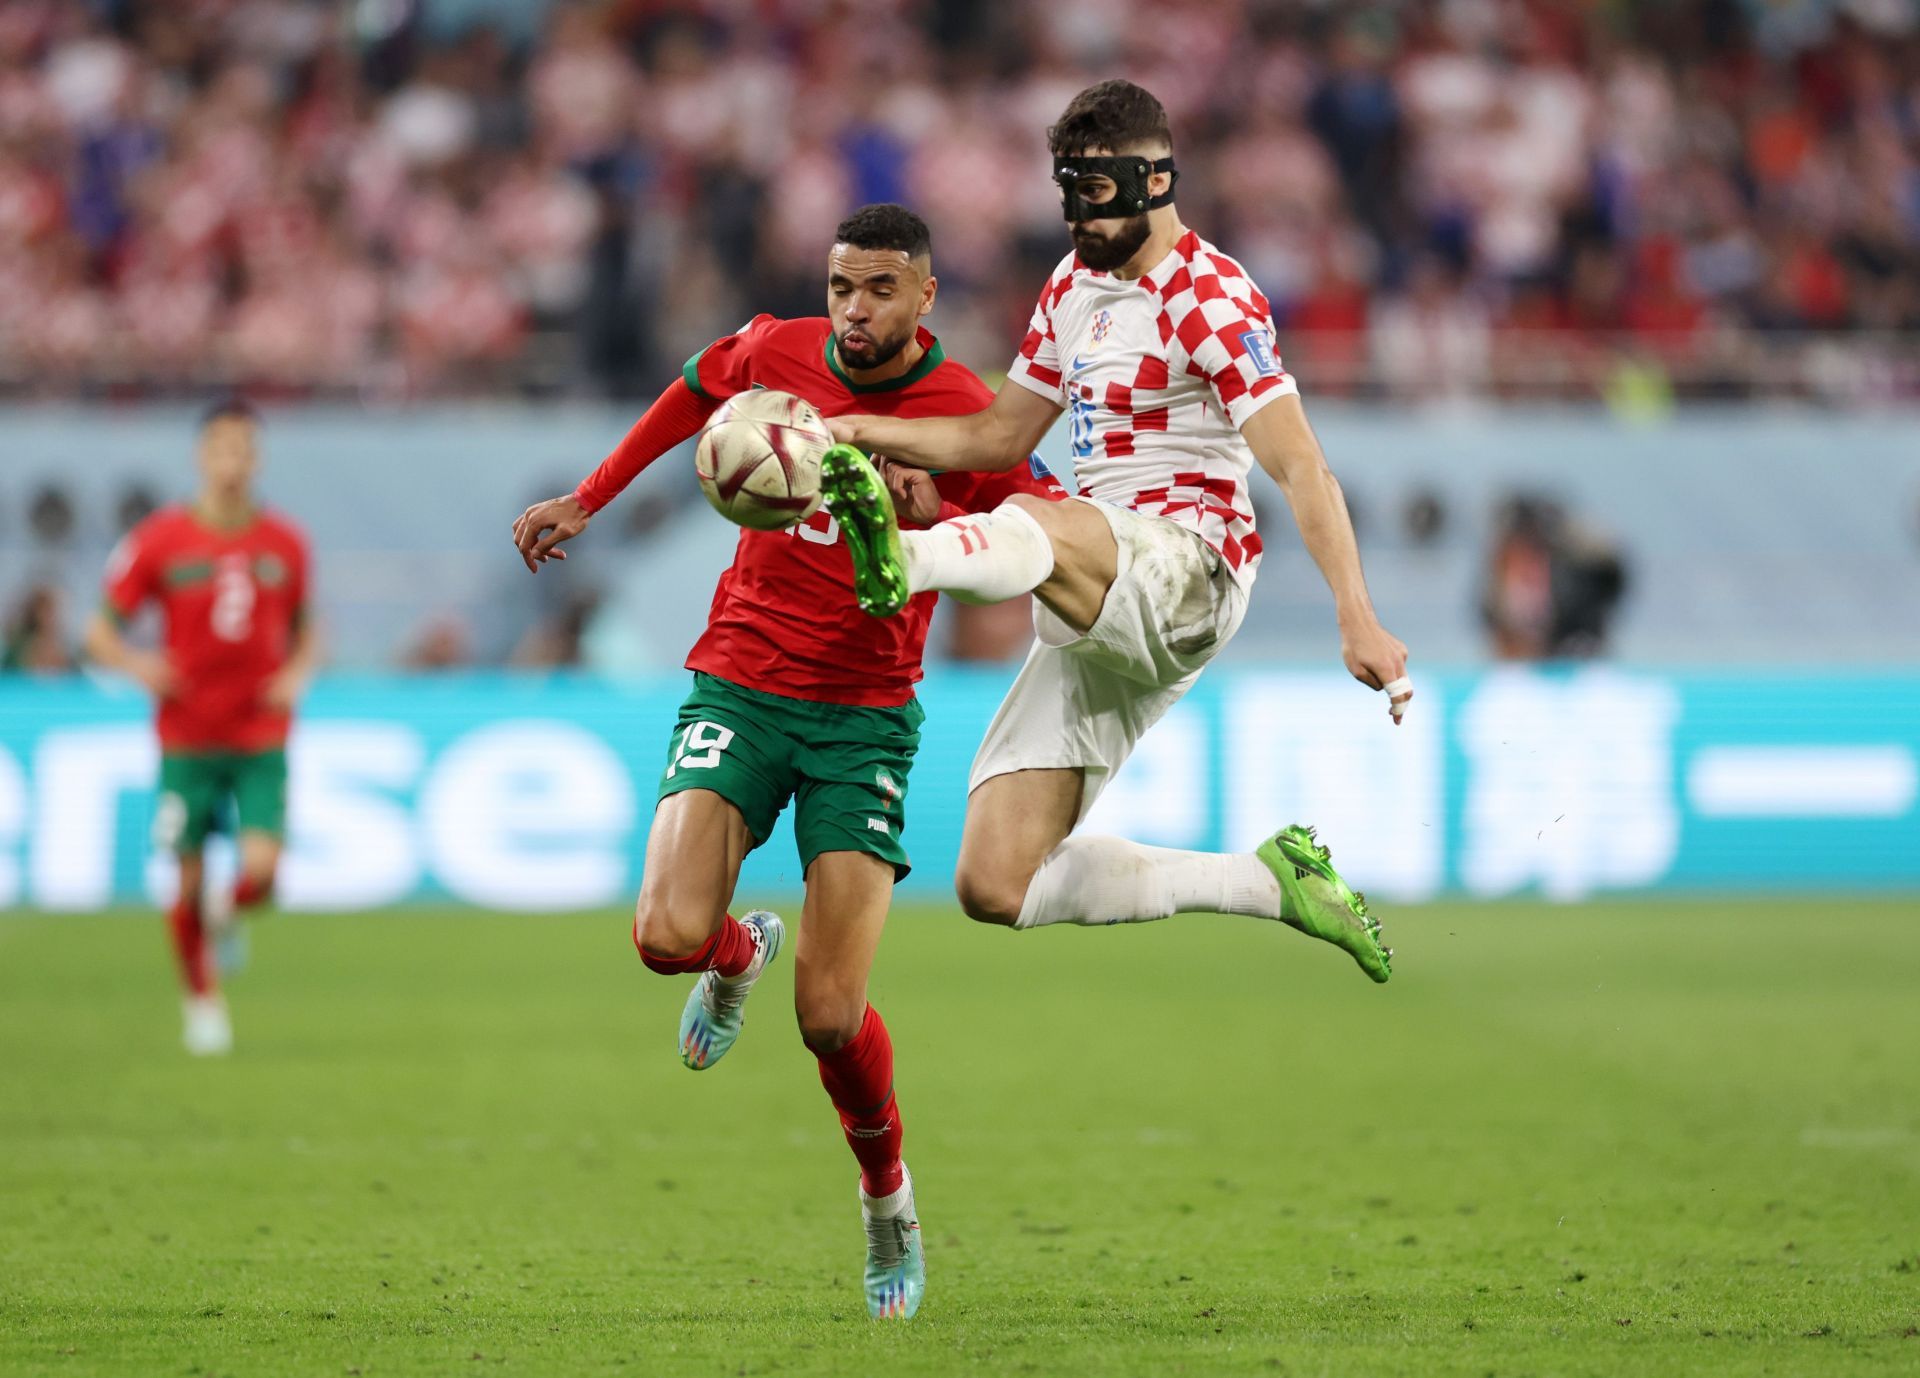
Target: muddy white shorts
[1083,700]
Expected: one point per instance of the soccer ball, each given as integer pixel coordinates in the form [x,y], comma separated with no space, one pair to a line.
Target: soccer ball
[758,459]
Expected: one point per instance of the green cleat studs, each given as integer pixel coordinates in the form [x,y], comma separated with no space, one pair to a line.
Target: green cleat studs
[854,492]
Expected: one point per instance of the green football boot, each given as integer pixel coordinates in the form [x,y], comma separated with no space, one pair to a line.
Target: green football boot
[854,492]
[1318,903]
[896,1275]
[716,1008]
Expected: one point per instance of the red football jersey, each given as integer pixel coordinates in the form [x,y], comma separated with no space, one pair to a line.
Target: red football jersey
[231,602]
[784,619]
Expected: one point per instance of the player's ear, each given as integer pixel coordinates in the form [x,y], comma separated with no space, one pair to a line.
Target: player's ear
[928,291]
[1159,183]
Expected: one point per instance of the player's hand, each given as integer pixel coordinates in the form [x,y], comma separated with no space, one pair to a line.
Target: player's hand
[152,670]
[283,691]
[846,429]
[1378,658]
[916,499]
[538,531]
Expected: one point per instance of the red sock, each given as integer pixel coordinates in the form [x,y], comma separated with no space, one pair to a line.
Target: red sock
[729,951]
[251,890]
[191,947]
[859,1077]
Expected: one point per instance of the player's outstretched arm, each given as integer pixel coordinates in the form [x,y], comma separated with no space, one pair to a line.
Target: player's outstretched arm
[107,647]
[1287,449]
[677,415]
[990,441]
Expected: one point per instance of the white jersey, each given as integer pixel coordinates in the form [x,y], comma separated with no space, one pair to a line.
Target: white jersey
[1158,375]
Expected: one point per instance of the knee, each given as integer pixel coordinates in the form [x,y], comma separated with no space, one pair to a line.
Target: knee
[987,897]
[829,1019]
[665,929]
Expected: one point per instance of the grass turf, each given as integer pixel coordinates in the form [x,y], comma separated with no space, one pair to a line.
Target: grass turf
[1632,1138]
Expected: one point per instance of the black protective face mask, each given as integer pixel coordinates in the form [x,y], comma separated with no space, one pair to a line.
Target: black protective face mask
[1129,175]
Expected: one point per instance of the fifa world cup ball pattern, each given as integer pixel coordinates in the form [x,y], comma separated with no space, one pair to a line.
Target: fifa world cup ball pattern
[758,459]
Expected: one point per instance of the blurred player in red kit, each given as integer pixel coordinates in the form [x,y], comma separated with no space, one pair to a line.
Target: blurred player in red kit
[798,696]
[237,648]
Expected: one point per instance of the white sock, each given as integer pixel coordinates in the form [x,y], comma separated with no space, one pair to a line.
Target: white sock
[1103,880]
[886,1207]
[983,559]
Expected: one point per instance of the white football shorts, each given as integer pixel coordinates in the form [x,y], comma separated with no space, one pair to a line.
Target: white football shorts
[1083,699]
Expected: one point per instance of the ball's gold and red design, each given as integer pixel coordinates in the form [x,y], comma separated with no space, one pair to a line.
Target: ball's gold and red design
[758,460]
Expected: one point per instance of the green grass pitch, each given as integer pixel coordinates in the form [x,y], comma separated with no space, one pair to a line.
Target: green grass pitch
[1649,1138]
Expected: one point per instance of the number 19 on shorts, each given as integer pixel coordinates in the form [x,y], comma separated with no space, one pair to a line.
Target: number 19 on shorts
[697,746]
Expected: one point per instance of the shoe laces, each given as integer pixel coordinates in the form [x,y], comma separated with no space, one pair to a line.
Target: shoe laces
[887,1237]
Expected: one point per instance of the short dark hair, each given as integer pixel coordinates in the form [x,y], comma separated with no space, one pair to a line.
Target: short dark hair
[1114,115]
[886,226]
[230,409]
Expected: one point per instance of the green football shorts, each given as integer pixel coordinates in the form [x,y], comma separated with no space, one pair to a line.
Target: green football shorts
[204,792]
[845,768]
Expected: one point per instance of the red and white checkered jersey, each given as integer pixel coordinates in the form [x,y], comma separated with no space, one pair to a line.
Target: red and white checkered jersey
[1158,375]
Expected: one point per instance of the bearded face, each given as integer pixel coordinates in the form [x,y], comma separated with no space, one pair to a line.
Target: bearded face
[859,348]
[875,298]
[1105,245]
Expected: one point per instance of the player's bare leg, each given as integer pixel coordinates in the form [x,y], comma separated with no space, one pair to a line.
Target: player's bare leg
[206,1030]
[1085,559]
[681,924]
[848,894]
[252,888]
[1013,821]
[1021,866]
[259,868]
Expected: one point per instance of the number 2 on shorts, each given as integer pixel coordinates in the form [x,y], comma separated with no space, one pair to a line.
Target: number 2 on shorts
[707,739]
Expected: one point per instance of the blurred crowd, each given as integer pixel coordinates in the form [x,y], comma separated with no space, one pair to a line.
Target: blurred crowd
[407,197]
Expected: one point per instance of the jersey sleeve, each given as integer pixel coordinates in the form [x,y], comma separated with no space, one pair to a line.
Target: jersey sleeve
[299,578]
[725,368]
[1228,340]
[1037,366]
[132,575]
[676,416]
